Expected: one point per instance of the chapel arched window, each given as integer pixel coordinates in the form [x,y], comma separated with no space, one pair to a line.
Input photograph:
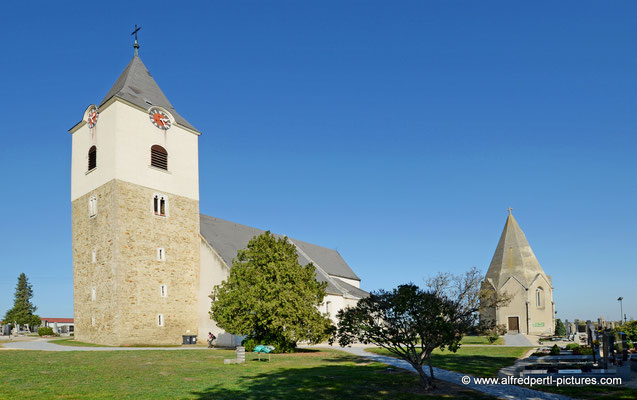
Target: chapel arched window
[539,297]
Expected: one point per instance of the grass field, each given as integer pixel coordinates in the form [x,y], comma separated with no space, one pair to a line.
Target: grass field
[74,343]
[201,374]
[477,361]
[480,340]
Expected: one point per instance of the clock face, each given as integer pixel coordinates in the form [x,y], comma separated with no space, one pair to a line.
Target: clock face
[92,117]
[159,119]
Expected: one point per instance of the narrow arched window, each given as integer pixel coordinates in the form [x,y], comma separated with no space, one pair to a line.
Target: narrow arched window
[92,206]
[539,300]
[159,157]
[92,158]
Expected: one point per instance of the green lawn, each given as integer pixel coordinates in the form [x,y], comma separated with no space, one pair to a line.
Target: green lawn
[72,342]
[201,374]
[477,361]
[480,340]
[591,392]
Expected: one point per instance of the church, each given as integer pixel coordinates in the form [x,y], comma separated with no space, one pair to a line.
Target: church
[515,270]
[145,260]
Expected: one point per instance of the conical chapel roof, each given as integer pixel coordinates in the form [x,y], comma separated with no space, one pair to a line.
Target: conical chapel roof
[513,258]
[137,86]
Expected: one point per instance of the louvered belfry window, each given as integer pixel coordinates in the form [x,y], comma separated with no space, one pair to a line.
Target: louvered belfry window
[159,157]
[92,158]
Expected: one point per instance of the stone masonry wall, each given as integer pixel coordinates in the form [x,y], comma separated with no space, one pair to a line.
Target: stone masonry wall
[128,281]
[95,234]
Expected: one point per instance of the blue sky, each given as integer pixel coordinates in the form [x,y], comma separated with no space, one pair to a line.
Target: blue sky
[396,132]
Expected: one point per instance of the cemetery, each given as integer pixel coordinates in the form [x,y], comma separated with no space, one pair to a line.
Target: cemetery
[598,352]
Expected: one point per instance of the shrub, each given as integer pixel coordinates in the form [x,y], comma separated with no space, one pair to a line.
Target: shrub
[572,346]
[249,343]
[45,331]
[279,346]
[555,350]
[494,333]
[583,351]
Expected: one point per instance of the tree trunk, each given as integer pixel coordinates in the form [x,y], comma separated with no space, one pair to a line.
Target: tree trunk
[431,368]
[425,381]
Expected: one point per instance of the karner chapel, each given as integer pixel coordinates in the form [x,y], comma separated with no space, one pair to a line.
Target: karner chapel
[516,272]
[144,259]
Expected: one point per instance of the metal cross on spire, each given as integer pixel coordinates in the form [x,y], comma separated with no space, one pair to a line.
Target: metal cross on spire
[509,210]
[136,45]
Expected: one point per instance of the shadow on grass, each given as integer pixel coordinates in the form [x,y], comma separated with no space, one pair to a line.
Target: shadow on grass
[472,364]
[333,382]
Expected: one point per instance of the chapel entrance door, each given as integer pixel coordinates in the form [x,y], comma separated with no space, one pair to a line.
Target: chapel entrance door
[514,325]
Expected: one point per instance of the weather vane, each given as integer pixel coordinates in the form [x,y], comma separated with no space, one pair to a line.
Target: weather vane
[136,45]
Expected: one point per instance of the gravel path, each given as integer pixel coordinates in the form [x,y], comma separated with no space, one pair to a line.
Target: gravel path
[517,340]
[44,345]
[500,391]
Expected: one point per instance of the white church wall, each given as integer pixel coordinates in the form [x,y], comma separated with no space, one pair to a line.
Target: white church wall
[516,307]
[352,282]
[125,153]
[83,181]
[541,317]
[332,304]
[212,272]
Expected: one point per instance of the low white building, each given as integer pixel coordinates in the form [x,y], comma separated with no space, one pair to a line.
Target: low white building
[62,326]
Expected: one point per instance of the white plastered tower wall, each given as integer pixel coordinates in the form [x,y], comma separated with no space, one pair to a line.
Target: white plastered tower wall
[515,271]
[117,295]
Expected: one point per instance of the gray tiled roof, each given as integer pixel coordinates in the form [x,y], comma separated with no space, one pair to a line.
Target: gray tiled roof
[227,238]
[513,258]
[137,85]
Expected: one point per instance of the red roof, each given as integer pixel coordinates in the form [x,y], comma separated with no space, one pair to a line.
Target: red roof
[52,320]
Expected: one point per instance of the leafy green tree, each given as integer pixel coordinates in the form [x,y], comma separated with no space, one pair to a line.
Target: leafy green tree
[23,310]
[411,322]
[270,297]
[560,329]
[630,329]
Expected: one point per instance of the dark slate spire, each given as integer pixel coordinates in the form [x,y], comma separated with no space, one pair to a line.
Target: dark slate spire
[137,86]
[513,258]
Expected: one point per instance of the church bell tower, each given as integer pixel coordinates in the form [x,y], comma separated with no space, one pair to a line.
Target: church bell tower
[135,216]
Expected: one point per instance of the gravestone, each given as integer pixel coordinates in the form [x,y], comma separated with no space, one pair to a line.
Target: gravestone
[590,332]
[601,323]
[241,357]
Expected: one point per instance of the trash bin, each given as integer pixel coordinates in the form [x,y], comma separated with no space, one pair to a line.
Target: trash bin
[189,339]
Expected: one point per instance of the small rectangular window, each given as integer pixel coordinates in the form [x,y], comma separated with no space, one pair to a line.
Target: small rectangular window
[160,205]
[163,290]
[92,206]
[93,294]
[160,319]
[93,321]
[161,254]
[94,256]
